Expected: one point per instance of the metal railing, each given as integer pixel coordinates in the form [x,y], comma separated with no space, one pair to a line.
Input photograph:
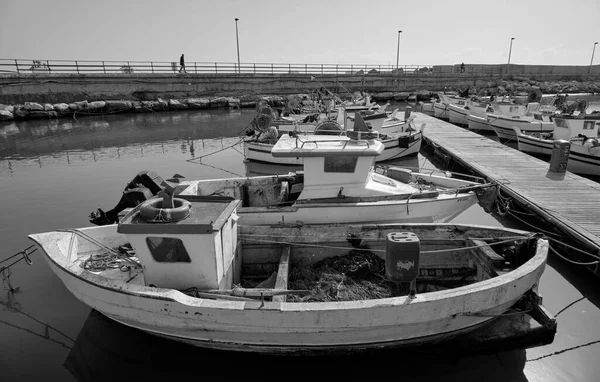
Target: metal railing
[33,66]
[152,67]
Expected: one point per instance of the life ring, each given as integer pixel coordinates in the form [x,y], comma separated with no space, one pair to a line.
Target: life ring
[153,212]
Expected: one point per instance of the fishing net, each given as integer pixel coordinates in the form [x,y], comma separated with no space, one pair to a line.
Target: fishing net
[359,275]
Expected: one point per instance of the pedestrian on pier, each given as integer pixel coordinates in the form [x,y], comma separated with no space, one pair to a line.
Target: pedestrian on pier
[462,67]
[182,64]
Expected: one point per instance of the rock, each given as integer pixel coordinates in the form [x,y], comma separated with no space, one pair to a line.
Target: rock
[82,105]
[233,102]
[21,112]
[9,108]
[118,105]
[33,106]
[160,105]
[177,105]
[6,115]
[48,107]
[143,106]
[97,105]
[42,114]
[197,103]
[218,102]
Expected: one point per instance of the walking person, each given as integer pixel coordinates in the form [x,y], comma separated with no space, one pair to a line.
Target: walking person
[182,64]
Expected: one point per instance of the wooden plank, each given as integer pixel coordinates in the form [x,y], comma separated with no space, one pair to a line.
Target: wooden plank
[283,272]
[569,201]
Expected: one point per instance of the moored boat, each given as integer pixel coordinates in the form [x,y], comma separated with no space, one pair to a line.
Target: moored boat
[339,184]
[580,130]
[208,281]
[401,137]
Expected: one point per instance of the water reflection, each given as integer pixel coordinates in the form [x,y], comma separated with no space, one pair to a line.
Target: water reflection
[105,349]
[38,137]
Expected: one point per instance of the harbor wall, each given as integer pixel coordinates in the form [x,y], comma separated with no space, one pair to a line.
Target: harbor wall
[55,88]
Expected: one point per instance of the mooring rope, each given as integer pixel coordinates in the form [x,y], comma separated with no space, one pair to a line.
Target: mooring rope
[564,350]
[248,238]
[25,256]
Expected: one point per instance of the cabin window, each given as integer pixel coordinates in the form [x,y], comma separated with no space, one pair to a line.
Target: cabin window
[537,116]
[514,109]
[560,122]
[340,164]
[167,250]
[588,125]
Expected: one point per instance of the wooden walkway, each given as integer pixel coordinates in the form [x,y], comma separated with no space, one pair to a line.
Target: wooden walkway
[568,201]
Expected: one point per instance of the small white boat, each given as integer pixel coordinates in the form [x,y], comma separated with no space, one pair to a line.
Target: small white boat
[458,114]
[440,108]
[503,125]
[479,123]
[209,282]
[506,107]
[340,182]
[427,107]
[580,130]
[401,137]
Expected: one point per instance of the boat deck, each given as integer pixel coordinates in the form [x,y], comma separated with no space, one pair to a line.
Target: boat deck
[568,201]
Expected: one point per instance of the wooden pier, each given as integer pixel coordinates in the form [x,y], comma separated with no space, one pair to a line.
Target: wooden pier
[568,202]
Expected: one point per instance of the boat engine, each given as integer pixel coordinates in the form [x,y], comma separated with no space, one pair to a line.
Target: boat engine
[402,255]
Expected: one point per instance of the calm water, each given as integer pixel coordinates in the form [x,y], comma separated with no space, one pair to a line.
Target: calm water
[54,173]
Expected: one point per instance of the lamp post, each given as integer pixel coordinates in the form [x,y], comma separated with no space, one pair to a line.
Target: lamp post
[237,41]
[398,52]
[509,52]
[594,50]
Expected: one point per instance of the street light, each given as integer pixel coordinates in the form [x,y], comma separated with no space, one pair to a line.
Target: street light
[594,50]
[398,52]
[509,52]
[237,41]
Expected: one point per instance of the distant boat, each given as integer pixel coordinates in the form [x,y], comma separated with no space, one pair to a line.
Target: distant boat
[582,133]
[401,138]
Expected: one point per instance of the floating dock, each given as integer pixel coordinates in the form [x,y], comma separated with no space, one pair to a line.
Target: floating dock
[566,201]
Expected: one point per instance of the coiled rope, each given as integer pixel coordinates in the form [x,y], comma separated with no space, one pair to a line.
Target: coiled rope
[101,261]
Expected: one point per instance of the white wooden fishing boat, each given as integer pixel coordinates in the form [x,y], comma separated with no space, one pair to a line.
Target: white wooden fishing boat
[580,130]
[458,114]
[339,185]
[207,281]
[427,107]
[503,125]
[401,138]
[440,108]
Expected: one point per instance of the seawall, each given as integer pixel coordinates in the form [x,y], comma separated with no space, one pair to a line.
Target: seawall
[57,88]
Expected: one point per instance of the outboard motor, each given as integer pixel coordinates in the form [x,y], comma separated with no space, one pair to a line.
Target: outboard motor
[402,255]
[143,186]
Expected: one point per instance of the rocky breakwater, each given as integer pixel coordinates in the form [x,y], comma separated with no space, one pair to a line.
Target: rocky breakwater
[525,85]
[31,110]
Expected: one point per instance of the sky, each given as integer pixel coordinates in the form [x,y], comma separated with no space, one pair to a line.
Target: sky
[434,32]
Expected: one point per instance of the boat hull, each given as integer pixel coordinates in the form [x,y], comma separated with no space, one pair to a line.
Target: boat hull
[394,148]
[440,110]
[410,211]
[479,123]
[584,160]
[503,127]
[458,115]
[281,327]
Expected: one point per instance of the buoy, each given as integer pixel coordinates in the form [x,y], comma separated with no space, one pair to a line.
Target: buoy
[155,211]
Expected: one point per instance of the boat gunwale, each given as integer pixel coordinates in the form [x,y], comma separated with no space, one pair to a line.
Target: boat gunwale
[537,261]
